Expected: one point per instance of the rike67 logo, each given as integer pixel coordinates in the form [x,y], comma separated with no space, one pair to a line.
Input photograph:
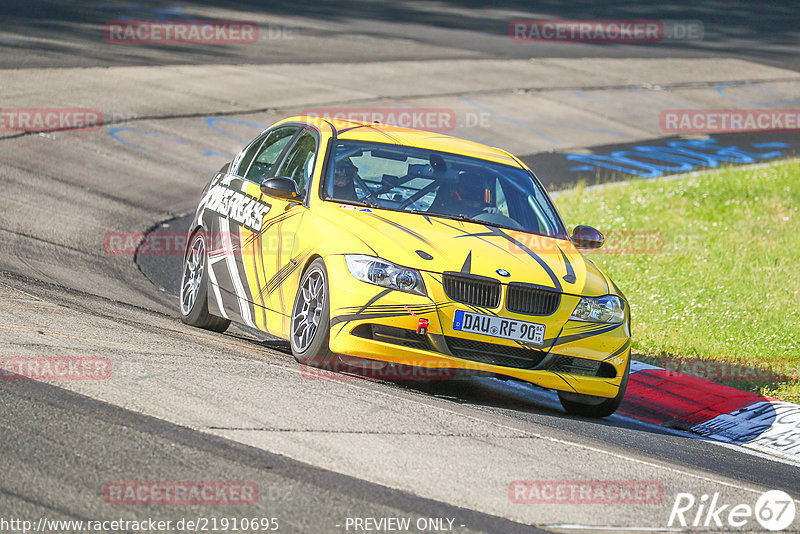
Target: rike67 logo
[774,510]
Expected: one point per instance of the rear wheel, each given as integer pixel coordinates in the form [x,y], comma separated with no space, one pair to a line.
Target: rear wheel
[194,287]
[591,406]
[310,326]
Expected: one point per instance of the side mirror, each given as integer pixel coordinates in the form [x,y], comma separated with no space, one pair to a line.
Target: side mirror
[281,187]
[587,237]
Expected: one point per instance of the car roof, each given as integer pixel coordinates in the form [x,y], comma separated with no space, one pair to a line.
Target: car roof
[388,133]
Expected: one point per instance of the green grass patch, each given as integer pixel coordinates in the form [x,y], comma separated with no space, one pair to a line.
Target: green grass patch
[725,284]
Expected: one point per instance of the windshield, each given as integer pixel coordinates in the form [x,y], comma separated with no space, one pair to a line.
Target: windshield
[403,178]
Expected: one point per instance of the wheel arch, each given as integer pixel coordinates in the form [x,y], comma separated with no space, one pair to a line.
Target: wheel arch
[311,259]
[190,235]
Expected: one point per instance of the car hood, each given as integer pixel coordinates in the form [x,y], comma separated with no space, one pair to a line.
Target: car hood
[436,244]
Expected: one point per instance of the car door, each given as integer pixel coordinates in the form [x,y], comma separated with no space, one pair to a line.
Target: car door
[279,258]
[236,212]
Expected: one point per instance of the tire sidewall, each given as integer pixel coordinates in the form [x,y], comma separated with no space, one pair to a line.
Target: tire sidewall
[200,307]
[596,406]
[317,353]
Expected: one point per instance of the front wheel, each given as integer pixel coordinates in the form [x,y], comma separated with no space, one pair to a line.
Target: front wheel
[591,406]
[194,287]
[310,326]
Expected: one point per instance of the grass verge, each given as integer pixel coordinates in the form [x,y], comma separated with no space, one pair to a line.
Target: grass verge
[714,284]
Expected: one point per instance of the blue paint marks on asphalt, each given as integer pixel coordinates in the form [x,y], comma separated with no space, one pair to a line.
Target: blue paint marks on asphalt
[652,161]
[124,134]
[137,11]
[211,122]
[215,153]
[114,132]
[770,145]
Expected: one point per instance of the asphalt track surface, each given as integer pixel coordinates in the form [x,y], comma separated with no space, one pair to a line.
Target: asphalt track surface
[188,405]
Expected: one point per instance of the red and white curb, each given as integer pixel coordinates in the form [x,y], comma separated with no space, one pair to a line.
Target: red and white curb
[713,411]
[761,426]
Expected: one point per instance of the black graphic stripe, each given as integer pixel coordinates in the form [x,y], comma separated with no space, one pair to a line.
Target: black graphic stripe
[278,260]
[498,232]
[291,266]
[467,267]
[575,337]
[374,299]
[256,257]
[279,219]
[401,306]
[406,230]
[468,234]
[390,307]
[570,276]
[620,350]
[346,318]
[567,382]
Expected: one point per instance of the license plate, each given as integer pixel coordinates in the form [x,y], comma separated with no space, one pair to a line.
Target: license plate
[494,326]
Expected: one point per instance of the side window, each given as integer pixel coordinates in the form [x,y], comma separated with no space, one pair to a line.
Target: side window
[248,156]
[268,154]
[299,162]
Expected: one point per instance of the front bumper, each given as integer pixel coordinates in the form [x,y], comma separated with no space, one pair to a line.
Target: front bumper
[580,357]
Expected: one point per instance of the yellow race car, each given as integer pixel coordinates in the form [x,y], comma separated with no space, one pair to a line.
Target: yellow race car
[373,246]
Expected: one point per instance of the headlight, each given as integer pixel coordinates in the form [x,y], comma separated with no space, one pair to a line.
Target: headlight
[608,309]
[386,274]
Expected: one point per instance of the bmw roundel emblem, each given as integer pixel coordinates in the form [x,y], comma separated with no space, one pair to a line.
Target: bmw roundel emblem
[503,272]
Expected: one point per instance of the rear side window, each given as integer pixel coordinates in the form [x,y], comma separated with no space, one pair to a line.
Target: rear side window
[249,155]
[266,155]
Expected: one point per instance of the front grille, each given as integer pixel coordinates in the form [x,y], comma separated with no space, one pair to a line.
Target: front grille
[391,334]
[478,351]
[582,366]
[472,289]
[531,300]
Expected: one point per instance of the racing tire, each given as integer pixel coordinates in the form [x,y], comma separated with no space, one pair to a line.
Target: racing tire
[591,406]
[309,327]
[194,287]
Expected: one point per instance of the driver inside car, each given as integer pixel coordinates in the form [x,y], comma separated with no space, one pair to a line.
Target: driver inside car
[344,174]
[470,196]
